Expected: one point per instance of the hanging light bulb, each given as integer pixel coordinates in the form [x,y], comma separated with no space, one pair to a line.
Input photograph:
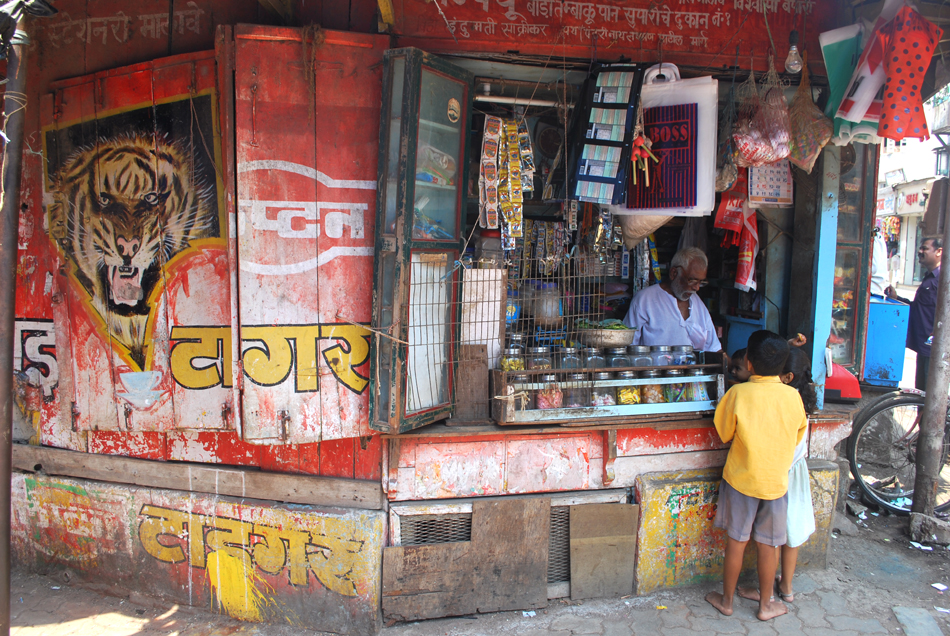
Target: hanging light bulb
[793,63]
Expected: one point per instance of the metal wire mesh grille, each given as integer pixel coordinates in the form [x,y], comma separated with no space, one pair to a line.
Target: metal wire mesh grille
[428,529]
[559,545]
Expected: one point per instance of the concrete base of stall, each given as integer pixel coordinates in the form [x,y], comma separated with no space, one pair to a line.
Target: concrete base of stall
[309,566]
[677,543]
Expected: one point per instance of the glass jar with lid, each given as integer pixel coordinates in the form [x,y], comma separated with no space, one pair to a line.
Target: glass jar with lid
[630,393]
[651,393]
[617,357]
[683,354]
[697,391]
[570,358]
[516,341]
[512,360]
[603,395]
[539,358]
[640,356]
[594,358]
[675,392]
[662,355]
[550,395]
[523,398]
[547,306]
[577,394]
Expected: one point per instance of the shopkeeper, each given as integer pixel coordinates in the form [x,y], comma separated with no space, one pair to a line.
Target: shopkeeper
[670,313]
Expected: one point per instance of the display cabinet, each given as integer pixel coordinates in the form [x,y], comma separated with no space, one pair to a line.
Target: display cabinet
[423,130]
[654,393]
[856,193]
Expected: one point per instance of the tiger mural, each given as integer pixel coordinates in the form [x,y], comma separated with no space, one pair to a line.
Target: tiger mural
[123,208]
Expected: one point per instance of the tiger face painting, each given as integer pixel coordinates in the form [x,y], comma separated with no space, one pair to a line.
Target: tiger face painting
[124,208]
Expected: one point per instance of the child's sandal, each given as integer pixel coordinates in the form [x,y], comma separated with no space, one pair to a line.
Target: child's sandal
[787,598]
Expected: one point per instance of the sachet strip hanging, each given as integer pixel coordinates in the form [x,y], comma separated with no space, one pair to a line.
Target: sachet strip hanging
[488,174]
[506,172]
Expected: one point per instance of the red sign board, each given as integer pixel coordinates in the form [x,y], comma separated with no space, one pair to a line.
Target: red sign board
[701,31]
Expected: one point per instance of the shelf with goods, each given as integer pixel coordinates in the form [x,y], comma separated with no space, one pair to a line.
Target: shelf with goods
[513,393]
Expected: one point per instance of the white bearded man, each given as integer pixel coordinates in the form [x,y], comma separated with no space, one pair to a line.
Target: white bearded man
[670,313]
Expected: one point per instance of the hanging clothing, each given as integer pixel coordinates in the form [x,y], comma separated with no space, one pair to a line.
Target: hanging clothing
[909,40]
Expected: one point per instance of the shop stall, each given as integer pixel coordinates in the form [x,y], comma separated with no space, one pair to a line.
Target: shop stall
[387,303]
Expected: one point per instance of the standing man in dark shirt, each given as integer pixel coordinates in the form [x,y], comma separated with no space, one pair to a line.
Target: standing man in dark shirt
[923,307]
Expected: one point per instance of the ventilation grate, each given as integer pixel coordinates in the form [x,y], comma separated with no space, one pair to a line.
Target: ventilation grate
[428,529]
[559,545]
[455,528]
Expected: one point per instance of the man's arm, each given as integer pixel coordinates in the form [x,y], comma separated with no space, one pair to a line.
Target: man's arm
[892,294]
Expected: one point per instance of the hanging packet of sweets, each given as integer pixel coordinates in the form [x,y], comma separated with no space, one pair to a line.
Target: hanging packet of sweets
[488,173]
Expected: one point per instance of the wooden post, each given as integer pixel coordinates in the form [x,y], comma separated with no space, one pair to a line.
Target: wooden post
[930,451]
[15,105]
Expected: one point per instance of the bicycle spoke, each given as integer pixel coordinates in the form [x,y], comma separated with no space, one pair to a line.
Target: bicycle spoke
[883,454]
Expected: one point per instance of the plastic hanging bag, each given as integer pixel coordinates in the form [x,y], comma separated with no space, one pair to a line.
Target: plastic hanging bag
[763,132]
[748,250]
[811,130]
[730,215]
[726,169]
[752,145]
[662,86]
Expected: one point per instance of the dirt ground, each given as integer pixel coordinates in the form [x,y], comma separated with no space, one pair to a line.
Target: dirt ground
[880,568]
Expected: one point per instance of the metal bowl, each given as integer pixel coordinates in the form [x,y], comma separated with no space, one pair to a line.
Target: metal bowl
[606,338]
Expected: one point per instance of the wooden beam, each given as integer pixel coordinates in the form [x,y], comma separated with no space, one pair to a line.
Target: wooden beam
[231,482]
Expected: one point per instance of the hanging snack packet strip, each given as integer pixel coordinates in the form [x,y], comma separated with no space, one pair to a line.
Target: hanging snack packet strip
[527,157]
[488,173]
[514,215]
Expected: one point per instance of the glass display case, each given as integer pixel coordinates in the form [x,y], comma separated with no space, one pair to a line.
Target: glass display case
[856,196]
[423,128]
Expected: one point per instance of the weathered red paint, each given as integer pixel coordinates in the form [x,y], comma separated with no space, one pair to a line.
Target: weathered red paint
[306,163]
[150,445]
[649,441]
[212,447]
[703,34]
[336,458]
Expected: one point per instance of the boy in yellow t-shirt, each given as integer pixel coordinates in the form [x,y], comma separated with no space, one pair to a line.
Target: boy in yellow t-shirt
[765,420]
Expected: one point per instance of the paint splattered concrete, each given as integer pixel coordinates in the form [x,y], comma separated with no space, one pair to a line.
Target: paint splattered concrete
[867,575]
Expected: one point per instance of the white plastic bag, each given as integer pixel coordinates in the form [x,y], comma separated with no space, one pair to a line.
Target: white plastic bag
[662,86]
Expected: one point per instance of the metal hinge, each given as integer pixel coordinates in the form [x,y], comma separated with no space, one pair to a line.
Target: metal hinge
[284,422]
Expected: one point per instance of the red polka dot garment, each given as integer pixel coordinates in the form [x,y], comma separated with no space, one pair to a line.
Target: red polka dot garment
[909,41]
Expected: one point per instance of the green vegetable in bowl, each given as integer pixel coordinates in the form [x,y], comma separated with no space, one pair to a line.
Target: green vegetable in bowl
[610,323]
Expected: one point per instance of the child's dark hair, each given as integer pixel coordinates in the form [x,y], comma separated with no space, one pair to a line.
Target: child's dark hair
[739,353]
[799,366]
[767,351]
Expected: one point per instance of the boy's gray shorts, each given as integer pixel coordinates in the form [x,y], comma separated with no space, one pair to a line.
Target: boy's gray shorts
[743,516]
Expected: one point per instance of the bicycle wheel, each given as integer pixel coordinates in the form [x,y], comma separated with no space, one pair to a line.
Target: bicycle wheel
[883,454]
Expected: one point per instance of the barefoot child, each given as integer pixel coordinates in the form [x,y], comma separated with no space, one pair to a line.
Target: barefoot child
[801,512]
[765,421]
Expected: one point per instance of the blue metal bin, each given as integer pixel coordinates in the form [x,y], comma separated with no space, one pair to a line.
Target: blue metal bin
[884,345]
